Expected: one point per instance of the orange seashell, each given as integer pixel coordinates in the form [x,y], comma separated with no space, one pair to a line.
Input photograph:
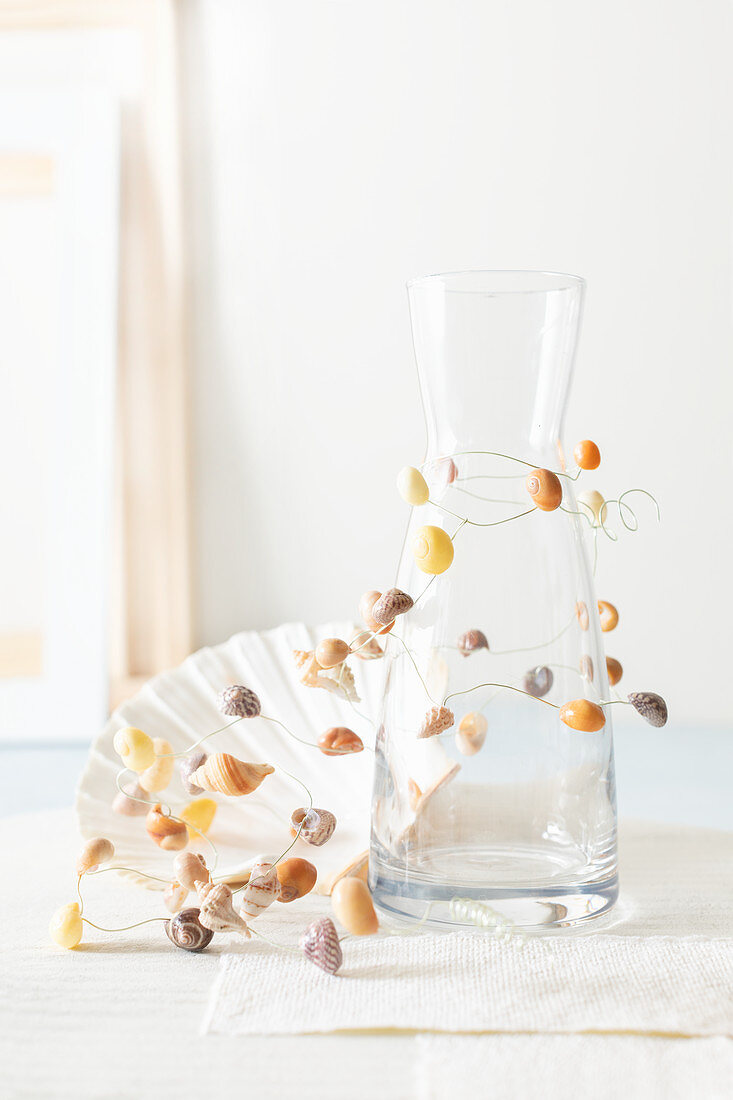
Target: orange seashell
[581,613]
[339,741]
[587,455]
[581,714]
[168,834]
[615,670]
[366,603]
[332,652]
[609,615]
[297,878]
[545,489]
[436,721]
[353,907]
[228,775]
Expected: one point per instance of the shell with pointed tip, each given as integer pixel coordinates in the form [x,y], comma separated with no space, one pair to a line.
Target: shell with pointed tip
[186,931]
[218,913]
[190,868]
[262,889]
[227,775]
[436,721]
[316,826]
[186,769]
[180,705]
[320,945]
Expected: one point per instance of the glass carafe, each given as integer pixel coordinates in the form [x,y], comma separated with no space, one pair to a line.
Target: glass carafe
[508,813]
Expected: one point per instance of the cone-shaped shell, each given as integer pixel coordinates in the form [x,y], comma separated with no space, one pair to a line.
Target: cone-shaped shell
[320,945]
[218,912]
[227,775]
[190,868]
[436,721]
[262,889]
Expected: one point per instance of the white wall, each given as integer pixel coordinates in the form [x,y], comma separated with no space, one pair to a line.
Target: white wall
[337,149]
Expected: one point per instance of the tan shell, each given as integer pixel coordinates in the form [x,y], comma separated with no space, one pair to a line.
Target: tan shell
[174,897]
[436,721]
[316,826]
[218,913]
[353,907]
[262,889]
[340,741]
[608,614]
[297,877]
[131,801]
[365,647]
[472,730]
[95,851]
[227,775]
[190,868]
[168,834]
[390,604]
[332,652]
[159,774]
[366,603]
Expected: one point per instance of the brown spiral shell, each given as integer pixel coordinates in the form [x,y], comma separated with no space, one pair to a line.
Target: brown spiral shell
[538,681]
[471,641]
[545,489]
[228,775]
[188,766]
[390,604]
[437,720]
[186,931]
[320,945]
[316,826]
[650,706]
[239,701]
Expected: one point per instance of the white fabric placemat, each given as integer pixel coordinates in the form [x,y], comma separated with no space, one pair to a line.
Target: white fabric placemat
[471,982]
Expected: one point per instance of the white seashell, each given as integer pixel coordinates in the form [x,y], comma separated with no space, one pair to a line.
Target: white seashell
[190,868]
[180,706]
[217,910]
[262,889]
[174,897]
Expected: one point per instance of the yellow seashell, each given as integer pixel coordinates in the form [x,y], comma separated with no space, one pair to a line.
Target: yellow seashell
[198,816]
[134,748]
[353,907]
[95,851]
[159,774]
[227,775]
[432,549]
[591,503]
[412,486]
[66,926]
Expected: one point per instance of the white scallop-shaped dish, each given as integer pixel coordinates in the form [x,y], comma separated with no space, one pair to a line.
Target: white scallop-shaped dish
[180,706]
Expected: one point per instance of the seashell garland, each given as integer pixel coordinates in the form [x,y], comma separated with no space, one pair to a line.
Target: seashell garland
[190,868]
[650,706]
[186,769]
[471,641]
[436,721]
[320,945]
[168,834]
[239,701]
[390,604]
[538,681]
[186,931]
[217,910]
[227,775]
[316,826]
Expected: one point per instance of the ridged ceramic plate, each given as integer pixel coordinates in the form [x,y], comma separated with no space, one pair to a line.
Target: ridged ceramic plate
[180,706]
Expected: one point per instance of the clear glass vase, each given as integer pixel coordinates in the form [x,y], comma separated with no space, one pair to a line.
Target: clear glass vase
[519,823]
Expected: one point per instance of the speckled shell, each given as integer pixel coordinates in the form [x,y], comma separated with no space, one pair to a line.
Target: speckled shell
[586,667]
[132,801]
[297,877]
[188,766]
[471,641]
[582,715]
[238,701]
[168,834]
[190,868]
[317,825]
[538,681]
[366,603]
[227,775]
[390,604]
[218,912]
[320,945]
[608,614]
[159,774]
[95,851]
[614,669]
[545,489]
[340,741]
[174,897]
[186,931]
[436,721]
[353,907]
[650,706]
[262,889]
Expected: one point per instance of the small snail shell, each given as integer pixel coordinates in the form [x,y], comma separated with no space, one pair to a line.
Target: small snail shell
[472,730]
[262,889]
[366,603]
[432,549]
[332,652]
[228,775]
[239,701]
[174,896]
[365,647]
[650,706]
[95,851]
[614,669]
[581,714]
[609,615]
[218,913]
[538,681]
[190,868]
[168,834]
[592,501]
[316,826]
[437,720]
[297,877]
[159,774]
[134,748]
[187,767]
[581,614]
[320,945]
[186,931]
[586,667]
[131,801]
[414,794]
[587,455]
[353,907]
[66,928]
[390,604]
[471,641]
[199,816]
[340,740]
[545,489]
[412,486]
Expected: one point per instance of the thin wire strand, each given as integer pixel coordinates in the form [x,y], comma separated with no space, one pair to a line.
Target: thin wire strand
[504,687]
[408,651]
[125,927]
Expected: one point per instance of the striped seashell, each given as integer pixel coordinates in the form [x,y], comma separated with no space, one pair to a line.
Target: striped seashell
[174,896]
[168,833]
[186,769]
[390,604]
[227,775]
[471,641]
[218,912]
[320,945]
[316,826]
[190,868]
[437,720]
[186,931]
[262,889]
[538,681]
[239,701]
[650,706]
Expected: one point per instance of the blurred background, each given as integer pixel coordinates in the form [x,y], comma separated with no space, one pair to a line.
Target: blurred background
[208,212]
